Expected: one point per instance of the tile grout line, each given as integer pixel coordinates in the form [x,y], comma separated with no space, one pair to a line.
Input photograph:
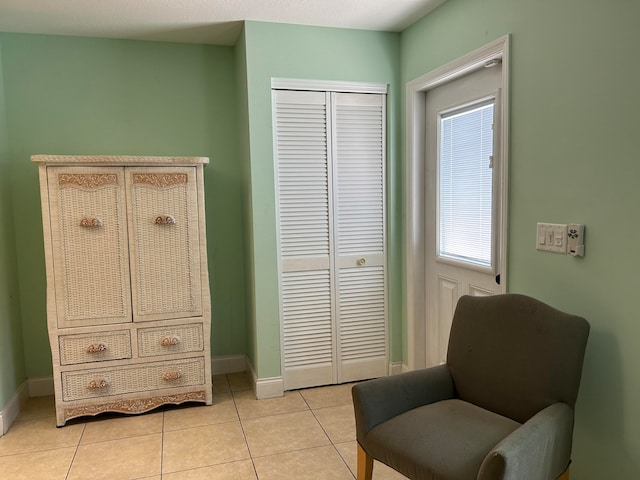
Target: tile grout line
[244,435]
[331,441]
[309,409]
[75,453]
[162,445]
[305,405]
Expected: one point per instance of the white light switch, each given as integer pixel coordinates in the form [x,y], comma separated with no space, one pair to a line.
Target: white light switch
[552,237]
[541,236]
[558,237]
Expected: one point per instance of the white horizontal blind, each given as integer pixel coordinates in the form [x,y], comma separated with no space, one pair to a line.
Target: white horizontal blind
[465,184]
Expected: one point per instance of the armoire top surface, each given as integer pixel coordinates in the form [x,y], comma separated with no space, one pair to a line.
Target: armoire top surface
[118,160]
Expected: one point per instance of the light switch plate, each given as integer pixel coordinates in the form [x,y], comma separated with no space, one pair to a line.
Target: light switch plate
[552,237]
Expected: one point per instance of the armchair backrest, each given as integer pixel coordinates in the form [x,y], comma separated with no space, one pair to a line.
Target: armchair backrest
[515,355]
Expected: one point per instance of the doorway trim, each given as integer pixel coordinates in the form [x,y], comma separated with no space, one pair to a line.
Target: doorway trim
[416,91]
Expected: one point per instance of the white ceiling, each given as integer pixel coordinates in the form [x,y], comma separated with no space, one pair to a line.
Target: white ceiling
[216,22]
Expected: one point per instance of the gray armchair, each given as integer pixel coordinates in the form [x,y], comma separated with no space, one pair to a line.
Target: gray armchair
[500,408]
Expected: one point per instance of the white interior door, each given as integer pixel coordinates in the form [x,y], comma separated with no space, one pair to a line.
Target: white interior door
[330,162]
[359,190]
[463,182]
[305,236]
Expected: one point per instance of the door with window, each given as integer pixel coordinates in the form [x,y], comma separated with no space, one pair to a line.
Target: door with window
[463,221]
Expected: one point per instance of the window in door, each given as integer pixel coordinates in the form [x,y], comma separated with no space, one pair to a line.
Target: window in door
[465,185]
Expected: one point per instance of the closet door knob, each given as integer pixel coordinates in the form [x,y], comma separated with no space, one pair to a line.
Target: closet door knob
[361,261]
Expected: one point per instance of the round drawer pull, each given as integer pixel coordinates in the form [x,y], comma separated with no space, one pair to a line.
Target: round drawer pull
[169,341]
[361,261]
[165,220]
[96,348]
[98,384]
[168,376]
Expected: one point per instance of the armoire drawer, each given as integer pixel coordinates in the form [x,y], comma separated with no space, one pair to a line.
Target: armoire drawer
[169,340]
[131,379]
[94,347]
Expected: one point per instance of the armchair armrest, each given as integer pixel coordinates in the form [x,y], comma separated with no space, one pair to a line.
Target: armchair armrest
[378,400]
[538,450]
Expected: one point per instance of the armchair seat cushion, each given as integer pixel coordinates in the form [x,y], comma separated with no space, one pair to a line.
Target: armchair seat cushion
[456,438]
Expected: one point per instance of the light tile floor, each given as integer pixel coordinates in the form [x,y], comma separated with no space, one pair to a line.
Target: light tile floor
[305,435]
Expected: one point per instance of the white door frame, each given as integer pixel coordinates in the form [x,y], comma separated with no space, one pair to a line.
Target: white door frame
[416,185]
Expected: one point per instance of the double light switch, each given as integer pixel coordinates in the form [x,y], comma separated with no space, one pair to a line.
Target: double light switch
[552,237]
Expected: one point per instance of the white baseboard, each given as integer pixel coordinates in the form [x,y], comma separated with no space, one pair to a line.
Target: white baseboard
[11,410]
[269,387]
[266,387]
[228,364]
[40,386]
[397,367]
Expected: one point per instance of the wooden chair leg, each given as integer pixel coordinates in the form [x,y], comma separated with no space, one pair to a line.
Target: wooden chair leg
[564,476]
[365,465]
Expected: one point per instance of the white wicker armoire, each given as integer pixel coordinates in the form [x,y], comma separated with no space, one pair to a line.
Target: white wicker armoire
[128,301]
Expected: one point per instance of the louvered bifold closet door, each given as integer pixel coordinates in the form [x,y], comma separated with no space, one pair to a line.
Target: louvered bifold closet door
[304,195]
[359,185]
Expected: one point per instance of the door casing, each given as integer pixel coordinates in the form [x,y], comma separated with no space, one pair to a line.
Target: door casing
[416,227]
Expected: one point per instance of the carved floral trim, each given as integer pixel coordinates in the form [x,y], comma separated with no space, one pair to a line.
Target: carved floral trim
[160,179]
[134,406]
[87,180]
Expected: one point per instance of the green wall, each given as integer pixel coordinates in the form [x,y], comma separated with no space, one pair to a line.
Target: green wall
[12,369]
[574,158]
[292,51]
[247,214]
[69,95]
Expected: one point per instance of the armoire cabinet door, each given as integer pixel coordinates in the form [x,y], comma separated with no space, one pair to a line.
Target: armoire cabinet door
[89,236]
[164,242]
